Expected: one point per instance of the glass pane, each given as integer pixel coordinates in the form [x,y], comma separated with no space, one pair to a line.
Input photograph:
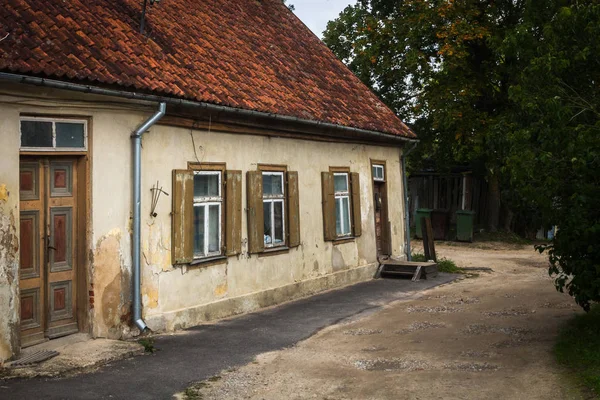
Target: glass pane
[278,228]
[69,134]
[36,134]
[206,185]
[346,215]
[272,184]
[338,218]
[213,229]
[268,233]
[374,172]
[199,230]
[340,183]
[267,184]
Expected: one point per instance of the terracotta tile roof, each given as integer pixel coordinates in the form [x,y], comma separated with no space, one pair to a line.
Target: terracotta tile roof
[250,54]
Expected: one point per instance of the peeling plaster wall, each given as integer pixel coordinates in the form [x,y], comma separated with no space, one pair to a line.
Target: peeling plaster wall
[168,291]
[174,297]
[9,233]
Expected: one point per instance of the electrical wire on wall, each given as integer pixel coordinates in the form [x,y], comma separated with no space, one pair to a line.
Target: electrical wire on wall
[194,142]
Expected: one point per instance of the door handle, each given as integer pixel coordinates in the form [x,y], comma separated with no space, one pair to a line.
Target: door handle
[52,248]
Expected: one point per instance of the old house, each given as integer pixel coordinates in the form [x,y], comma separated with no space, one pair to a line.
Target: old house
[221,161]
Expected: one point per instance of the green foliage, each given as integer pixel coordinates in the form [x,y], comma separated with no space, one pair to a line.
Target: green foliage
[511,87]
[148,344]
[443,67]
[578,348]
[419,257]
[555,137]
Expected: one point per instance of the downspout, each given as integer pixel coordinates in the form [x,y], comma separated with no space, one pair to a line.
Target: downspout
[406,199]
[136,136]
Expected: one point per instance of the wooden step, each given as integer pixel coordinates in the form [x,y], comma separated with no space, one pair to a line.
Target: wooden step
[408,269]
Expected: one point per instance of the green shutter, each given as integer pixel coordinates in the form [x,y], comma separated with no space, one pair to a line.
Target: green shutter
[293,209]
[182,221]
[233,213]
[356,217]
[256,220]
[328,206]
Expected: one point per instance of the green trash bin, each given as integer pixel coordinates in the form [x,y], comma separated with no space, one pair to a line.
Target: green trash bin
[421,212]
[464,225]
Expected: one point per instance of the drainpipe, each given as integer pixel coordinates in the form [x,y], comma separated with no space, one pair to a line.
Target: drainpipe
[136,136]
[406,199]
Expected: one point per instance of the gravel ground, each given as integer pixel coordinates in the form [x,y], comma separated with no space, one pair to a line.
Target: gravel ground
[489,337]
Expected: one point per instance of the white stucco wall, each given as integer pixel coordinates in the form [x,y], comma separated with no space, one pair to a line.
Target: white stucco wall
[9,232]
[167,291]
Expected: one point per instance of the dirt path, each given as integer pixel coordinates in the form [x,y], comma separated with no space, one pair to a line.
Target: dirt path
[488,337]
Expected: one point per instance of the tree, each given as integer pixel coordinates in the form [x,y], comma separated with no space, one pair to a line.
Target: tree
[554,159]
[441,66]
[512,86]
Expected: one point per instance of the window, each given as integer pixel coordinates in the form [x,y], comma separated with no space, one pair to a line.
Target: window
[274,209]
[53,134]
[378,173]
[342,204]
[207,213]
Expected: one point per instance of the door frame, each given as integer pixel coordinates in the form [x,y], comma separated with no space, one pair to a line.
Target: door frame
[386,239]
[83,162]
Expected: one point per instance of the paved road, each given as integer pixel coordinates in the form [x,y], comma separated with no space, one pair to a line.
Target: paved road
[207,349]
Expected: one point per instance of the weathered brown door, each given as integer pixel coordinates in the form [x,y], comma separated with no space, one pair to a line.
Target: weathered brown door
[378,193]
[48,243]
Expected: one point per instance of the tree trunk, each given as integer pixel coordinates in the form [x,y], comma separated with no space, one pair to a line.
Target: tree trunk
[493,203]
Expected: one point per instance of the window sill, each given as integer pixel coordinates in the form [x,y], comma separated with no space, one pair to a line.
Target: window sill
[208,261]
[273,251]
[343,240]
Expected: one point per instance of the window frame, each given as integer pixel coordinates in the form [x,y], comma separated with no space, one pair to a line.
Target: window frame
[211,169]
[374,166]
[54,120]
[339,196]
[272,199]
[344,170]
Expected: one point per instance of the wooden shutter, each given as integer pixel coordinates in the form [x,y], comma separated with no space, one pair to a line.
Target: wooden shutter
[356,218]
[293,209]
[182,222]
[328,194]
[256,219]
[233,213]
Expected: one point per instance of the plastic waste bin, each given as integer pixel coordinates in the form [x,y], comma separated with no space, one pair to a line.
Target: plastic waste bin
[464,225]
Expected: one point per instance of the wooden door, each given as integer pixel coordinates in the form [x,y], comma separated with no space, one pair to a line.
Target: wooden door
[383,232]
[48,243]
[378,199]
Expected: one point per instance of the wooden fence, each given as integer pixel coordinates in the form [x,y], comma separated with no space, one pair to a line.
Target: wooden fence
[451,192]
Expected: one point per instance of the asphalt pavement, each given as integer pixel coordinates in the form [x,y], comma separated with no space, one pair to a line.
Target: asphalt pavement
[206,350]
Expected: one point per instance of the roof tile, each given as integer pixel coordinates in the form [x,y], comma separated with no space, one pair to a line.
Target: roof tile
[248,54]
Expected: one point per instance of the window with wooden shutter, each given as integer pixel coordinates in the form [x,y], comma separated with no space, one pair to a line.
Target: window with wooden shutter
[233,213]
[356,216]
[206,213]
[293,209]
[341,203]
[329,215]
[256,229]
[182,242]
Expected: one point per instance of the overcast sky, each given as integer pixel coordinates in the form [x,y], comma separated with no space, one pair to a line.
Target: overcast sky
[316,13]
